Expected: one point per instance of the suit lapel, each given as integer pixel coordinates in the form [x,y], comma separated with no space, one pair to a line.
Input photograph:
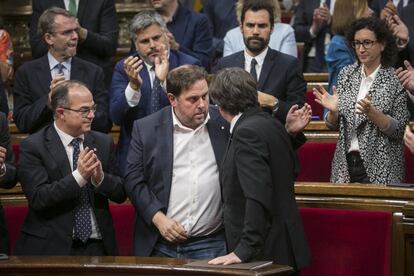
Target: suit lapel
[42,72]
[57,151]
[218,133]
[164,142]
[77,71]
[268,63]
[81,9]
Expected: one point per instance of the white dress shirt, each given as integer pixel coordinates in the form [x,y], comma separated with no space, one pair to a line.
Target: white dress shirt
[366,83]
[195,197]
[67,66]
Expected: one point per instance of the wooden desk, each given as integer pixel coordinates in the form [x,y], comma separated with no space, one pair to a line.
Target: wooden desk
[98,266]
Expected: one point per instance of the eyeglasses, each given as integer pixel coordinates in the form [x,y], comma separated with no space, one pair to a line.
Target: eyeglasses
[68,32]
[366,43]
[84,111]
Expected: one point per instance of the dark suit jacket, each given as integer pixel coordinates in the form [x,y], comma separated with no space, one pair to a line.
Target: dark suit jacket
[98,17]
[8,180]
[52,193]
[124,115]
[302,22]
[222,17]
[408,19]
[281,76]
[149,169]
[4,107]
[261,218]
[32,86]
[192,30]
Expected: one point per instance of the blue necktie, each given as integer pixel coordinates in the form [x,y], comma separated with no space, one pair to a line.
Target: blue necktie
[83,226]
[155,95]
[60,68]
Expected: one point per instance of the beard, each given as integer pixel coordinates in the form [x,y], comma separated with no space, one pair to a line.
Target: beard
[256,44]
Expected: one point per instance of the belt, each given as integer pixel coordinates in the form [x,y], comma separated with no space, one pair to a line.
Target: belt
[197,238]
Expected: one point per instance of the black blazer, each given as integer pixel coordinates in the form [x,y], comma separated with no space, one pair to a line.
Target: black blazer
[281,76]
[149,169]
[261,218]
[98,17]
[32,86]
[52,193]
[8,180]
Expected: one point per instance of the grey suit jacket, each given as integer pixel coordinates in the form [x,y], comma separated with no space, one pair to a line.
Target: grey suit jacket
[149,169]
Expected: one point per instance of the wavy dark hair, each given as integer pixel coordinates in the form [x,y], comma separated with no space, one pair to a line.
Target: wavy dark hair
[383,34]
[234,90]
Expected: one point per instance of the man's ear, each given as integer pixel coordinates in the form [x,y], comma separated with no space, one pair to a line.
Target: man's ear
[172,99]
[48,39]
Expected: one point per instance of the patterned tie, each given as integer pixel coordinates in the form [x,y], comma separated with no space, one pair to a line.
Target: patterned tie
[60,68]
[155,95]
[253,69]
[72,7]
[83,226]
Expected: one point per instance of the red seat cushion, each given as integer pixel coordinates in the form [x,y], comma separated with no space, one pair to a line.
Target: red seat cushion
[409,166]
[348,242]
[123,218]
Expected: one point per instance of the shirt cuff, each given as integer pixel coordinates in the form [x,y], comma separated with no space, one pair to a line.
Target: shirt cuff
[392,127]
[329,124]
[96,185]
[79,178]
[3,170]
[132,96]
[312,34]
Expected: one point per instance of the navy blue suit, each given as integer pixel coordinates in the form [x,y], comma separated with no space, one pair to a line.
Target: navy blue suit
[32,86]
[98,17]
[149,170]
[192,30]
[281,76]
[124,115]
[222,16]
[302,23]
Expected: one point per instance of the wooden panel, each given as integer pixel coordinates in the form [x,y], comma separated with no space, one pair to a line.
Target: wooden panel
[120,266]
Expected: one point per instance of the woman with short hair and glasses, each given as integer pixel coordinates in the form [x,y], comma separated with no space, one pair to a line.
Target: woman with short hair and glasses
[368,107]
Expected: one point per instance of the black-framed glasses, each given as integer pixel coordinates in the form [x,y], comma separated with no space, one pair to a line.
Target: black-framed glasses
[367,43]
[84,111]
[68,32]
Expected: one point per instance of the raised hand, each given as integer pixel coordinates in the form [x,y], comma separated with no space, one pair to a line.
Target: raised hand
[409,139]
[364,106]
[298,118]
[323,98]
[406,76]
[87,163]
[162,63]
[132,66]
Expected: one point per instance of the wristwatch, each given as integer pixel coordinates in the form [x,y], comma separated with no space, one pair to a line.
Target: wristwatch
[275,106]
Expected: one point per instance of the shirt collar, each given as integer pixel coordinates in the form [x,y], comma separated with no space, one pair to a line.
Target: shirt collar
[178,125]
[53,62]
[373,74]
[234,121]
[259,58]
[64,137]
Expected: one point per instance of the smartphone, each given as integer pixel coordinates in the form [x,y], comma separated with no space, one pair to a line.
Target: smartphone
[4,256]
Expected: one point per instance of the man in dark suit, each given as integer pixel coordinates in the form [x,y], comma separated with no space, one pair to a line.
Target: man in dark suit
[222,17]
[35,79]
[7,176]
[311,24]
[277,74]
[172,173]
[257,176]
[98,30]
[189,31]
[68,173]
[137,78]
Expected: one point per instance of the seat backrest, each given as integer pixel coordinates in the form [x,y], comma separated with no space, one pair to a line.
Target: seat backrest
[123,218]
[15,216]
[317,109]
[348,242]
[315,161]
